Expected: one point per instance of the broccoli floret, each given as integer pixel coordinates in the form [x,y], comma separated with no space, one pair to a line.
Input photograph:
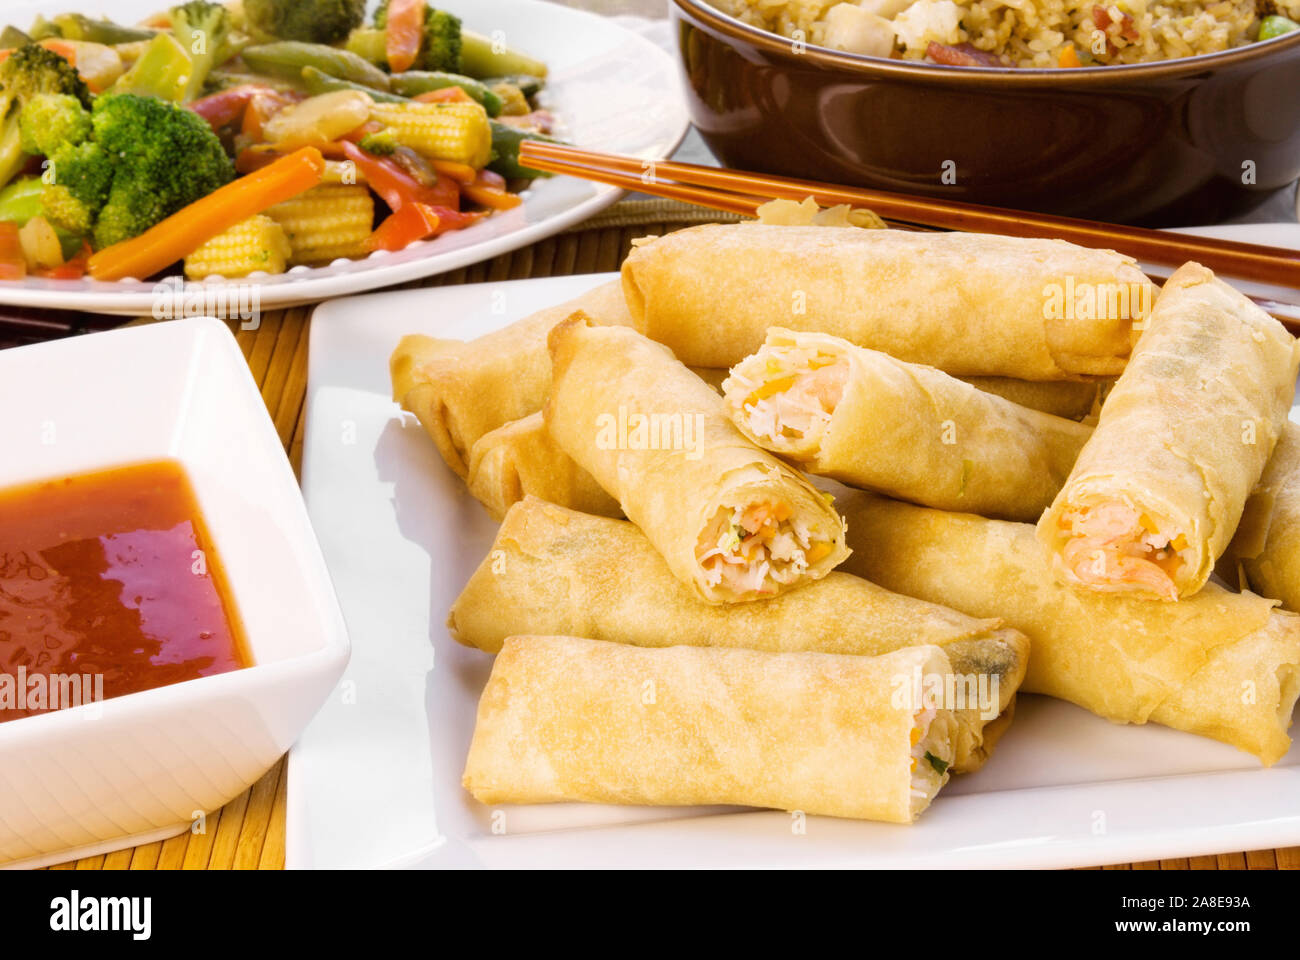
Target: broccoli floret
[80,176]
[381,143]
[49,120]
[440,45]
[164,157]
[28,71]
[202,28]
[314,21]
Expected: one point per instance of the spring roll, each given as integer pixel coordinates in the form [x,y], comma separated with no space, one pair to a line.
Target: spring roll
[558,571]
[1218,664]
[520,459]
[870,420]
[460,390]
[1266,549]
[1157,491]
[731,521]
[969,304]
[564,718]
[1071,399]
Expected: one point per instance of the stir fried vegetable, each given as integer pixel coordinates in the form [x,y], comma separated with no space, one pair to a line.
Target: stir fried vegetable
[122,146]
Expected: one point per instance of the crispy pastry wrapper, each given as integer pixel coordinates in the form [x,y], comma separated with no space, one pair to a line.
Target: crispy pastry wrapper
[564,718]
[658,439]
[460,390]
[558,571]
[969,304]
[1218,664]
[1186,432]
[1071,399]
[904,429]
[520,459]
[1265,552]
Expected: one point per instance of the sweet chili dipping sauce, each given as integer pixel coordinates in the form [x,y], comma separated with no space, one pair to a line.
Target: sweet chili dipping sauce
[109,578]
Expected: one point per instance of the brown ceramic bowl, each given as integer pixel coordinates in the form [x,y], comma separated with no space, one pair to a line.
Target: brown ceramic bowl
[1164,143]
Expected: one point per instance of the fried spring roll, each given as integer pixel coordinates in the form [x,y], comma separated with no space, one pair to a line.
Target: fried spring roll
[460,390]
[557,571]
[1218,664]
[1183,437]
[969,304]
[1266,548]
[870,420]
[1071,399]
[731,521]
[520,459]
[564,718]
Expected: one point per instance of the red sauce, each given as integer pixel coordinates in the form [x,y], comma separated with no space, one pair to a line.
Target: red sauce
[109,578]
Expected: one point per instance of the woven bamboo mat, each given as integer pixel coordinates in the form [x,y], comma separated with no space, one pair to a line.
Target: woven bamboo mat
[249,832]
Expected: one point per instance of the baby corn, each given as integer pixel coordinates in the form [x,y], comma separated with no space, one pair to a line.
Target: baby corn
[258,243]
[327,222]
[459,132]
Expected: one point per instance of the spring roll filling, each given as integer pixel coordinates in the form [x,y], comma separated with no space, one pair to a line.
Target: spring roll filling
[792,393]
[1116,544]
[931,758]
[756,547]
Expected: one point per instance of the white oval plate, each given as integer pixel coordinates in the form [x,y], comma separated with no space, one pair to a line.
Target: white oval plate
[609,88]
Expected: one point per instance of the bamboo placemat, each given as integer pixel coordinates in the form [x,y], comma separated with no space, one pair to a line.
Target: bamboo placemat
[249,832]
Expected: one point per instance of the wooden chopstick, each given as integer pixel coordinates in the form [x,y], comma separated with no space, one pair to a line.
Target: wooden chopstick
[740,192]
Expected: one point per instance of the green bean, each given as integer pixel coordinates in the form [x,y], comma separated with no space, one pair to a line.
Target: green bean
[317,82]
[288,58]
[505,151]
[75,26]
[412,83]
[478,59]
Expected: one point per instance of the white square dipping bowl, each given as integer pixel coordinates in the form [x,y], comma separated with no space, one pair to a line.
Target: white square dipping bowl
[137,768]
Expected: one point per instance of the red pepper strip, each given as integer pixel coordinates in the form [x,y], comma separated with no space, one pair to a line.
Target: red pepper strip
[443,95]
[13,265]
[396,186]
[227,107]
[415,221]
[449,219]
[403,34]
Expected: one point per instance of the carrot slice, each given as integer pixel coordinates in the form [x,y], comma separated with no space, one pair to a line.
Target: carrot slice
[404,32]
[13,265]
[185,231]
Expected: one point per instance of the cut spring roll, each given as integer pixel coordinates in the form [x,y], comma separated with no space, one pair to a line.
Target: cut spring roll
[870,420]
[558,571]
[564,718]
[460,390]
[1157,492]
[969,304]
[1266,548]
[1071,399]
[1218,664]
[731,521]
[520,459]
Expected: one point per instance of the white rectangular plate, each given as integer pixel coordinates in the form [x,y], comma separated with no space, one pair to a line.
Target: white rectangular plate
[376,782]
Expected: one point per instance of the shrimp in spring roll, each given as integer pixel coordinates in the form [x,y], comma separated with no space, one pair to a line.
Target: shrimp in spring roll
[460,390]
[1218,664]
[557,571]
[870,420]
[1157,492]
[567,718]
[969,304]
[731,521]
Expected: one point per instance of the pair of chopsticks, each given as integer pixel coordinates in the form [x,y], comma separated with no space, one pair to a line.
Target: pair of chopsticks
[740,192]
